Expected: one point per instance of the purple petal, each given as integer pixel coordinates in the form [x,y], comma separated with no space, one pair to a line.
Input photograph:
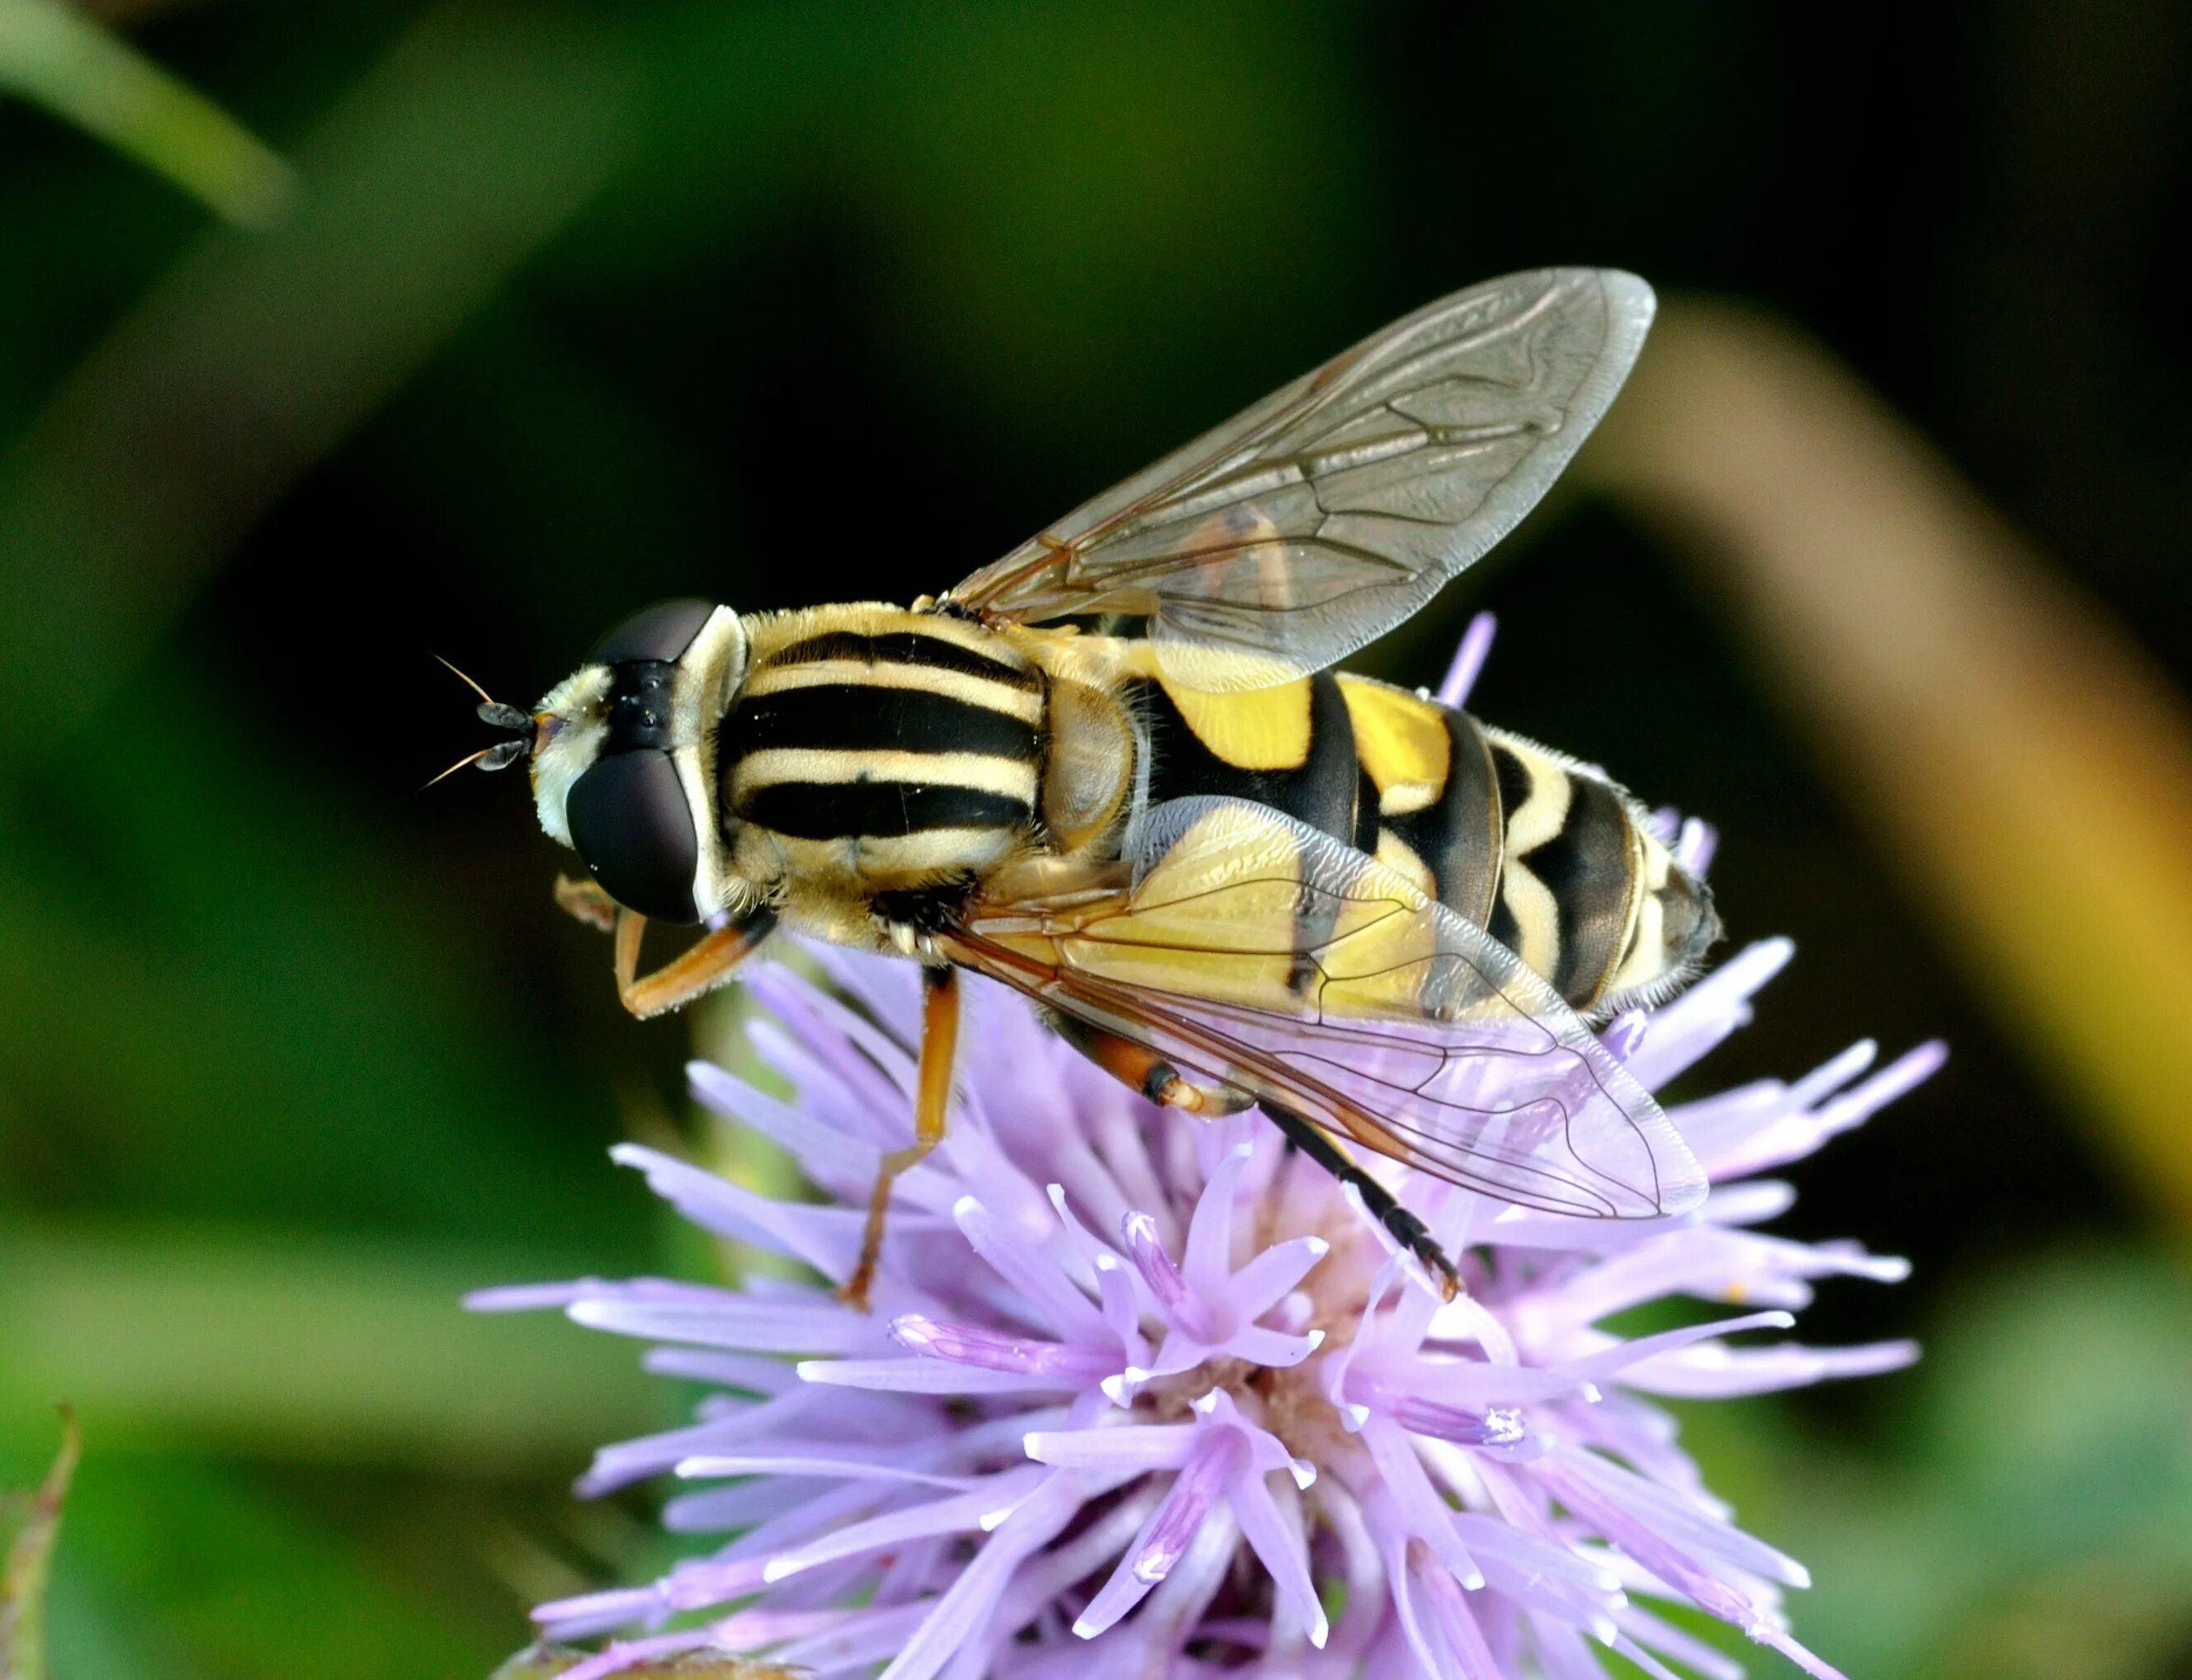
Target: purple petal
[826,1239]
[1001,1351]
[1031,1273]
[1623,1036]
[735,1507]
[1212,1462]
[531,1297]
[1208,1261]
[1672,1522]
[1644,1659]
[1132,1447]
[802,1463]
[1684,1030]
[1495,1426]
[1272,1348]
[591,1613]
[745,1325]
[1273,1275]
[1179,1607]
[823,1153]
[1468,661]
[1695,847]
[978,1511]
[1646,1629]
[1472,1657]
[1211,1458]
[885,986]
[1469,1384]
[1601,1366]
[1275,1535]
[962,1616]
[1429,1517]
[1562,1653]
[1797,1654]
[1708,1373]
[931,1376]
[1138,1234]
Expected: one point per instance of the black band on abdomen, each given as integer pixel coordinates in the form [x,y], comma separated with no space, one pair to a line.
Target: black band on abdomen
[1458,835]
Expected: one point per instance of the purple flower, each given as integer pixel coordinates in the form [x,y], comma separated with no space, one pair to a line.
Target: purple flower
[1143,1395]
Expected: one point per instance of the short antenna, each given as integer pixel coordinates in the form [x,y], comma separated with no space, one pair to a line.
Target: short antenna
[497,716]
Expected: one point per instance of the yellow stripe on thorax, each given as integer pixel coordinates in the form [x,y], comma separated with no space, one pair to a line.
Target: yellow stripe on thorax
[1025,704]
[1015,778]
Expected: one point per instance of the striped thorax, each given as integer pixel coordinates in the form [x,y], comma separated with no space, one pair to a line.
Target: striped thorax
[874,756]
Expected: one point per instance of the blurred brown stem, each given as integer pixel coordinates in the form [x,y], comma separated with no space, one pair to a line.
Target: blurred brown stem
[28,1564]
[2026,767]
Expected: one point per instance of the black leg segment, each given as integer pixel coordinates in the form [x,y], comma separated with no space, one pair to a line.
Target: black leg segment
[1403,1226]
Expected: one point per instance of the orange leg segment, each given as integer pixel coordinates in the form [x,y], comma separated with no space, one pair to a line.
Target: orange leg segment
[1141,1069]
[940,1045]
[700,968]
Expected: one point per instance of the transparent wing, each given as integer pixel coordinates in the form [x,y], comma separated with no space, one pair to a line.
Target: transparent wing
[1257,951]
[1330,512]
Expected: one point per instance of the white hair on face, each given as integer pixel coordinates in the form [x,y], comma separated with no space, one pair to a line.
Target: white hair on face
[571,750]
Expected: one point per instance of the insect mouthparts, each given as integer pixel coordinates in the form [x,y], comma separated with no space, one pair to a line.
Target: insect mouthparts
[497,716]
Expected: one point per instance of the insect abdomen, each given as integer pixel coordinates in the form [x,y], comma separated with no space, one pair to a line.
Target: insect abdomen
[1548,856]
[883,746]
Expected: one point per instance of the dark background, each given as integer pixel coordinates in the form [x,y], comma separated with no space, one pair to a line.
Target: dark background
[570,310]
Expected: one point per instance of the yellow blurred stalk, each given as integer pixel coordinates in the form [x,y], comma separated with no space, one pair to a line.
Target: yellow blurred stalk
[2026,767]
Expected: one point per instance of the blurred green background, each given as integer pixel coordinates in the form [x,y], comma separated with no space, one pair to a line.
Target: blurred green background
[332,337]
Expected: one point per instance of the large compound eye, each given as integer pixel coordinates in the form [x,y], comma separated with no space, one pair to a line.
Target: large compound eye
[662,631]
[631,822]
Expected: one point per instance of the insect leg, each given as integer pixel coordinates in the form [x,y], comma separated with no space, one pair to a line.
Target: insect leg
[701,967]
[931,1102]
[1140,1068]
[585,900]
[1403,1226]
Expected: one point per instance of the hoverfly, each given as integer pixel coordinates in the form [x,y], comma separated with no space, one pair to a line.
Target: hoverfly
[1112,771]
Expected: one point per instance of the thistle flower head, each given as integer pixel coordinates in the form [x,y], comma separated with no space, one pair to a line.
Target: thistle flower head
[1156,1394]
[1155,1384]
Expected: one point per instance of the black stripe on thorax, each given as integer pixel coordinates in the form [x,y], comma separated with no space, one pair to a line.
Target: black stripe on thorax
[1458,835]
[1586,867]
[875,809]
[904,647]
[853,717]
